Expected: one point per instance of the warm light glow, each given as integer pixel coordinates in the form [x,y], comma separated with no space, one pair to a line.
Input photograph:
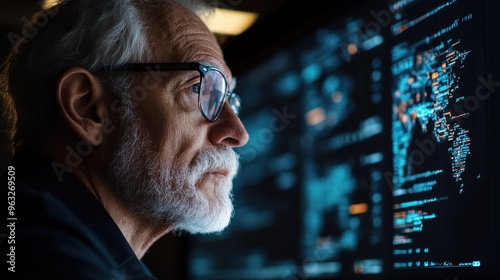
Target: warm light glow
[337,97]
[315,116]
[360,208]
[49,3]
[352,48]
[229,22]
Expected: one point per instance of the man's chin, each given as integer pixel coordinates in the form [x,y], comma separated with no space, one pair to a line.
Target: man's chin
[215,225]
[217,214]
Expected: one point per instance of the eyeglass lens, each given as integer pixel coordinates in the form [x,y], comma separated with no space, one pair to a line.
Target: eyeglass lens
[212,94]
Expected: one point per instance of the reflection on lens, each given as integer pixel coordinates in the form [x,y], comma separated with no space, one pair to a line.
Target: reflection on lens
[212,95]
[235,102]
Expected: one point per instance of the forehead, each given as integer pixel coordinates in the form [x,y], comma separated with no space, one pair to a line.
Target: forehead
[176,34]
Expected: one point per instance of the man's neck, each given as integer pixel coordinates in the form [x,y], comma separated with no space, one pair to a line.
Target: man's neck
[139,233]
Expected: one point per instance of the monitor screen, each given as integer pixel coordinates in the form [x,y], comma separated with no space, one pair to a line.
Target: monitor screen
[371,151]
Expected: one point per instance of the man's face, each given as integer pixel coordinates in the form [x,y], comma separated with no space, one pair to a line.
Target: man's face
[172,164]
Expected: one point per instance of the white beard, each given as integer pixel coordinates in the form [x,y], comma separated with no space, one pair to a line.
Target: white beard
[165,191]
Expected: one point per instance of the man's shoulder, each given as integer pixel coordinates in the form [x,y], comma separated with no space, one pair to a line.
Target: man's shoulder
[40,201]
[61,231]
[50,238]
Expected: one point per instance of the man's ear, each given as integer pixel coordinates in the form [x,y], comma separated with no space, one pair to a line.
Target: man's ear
[82,103]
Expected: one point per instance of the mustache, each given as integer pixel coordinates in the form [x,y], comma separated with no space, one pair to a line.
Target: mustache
[217,158]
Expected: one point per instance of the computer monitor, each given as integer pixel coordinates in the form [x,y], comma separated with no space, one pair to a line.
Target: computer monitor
[371,152]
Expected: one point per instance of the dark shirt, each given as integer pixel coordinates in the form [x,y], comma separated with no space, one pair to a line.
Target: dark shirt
[60,229]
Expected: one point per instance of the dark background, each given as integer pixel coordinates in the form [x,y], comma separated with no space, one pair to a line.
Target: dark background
[279,24]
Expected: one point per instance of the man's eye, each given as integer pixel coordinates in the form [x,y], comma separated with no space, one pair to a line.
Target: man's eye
[195,88]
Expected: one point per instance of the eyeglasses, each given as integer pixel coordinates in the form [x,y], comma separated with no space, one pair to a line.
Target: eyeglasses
[213,90]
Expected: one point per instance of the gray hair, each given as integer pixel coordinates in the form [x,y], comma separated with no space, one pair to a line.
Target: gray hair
[75,33]
[80,33]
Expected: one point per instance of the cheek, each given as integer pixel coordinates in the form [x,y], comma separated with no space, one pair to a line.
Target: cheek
[159,115]
[168,114]
[185,128]
[173,124]
[154,115]
[186,101]
[181,142]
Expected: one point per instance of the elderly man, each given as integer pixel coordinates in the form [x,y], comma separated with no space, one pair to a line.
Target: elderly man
[124,122]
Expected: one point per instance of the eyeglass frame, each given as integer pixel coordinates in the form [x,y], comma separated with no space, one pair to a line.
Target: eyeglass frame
[183,66]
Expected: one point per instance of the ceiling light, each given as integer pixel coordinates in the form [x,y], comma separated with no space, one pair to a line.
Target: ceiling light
[229,22]
[49,3]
